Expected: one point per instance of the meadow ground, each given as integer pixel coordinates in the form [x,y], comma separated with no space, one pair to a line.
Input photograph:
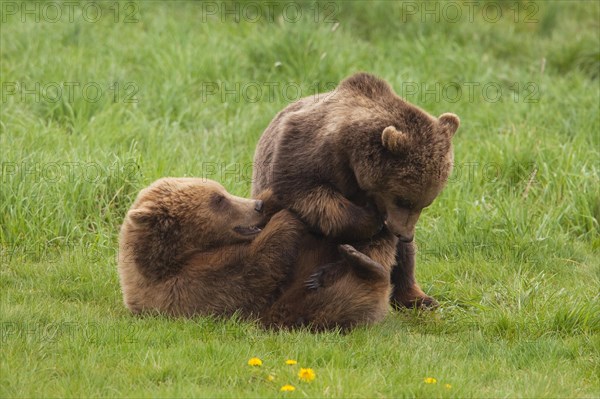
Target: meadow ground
[100,99]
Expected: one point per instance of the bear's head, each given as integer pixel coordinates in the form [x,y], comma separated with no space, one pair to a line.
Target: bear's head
[401,156]
[176,215]
[406,167]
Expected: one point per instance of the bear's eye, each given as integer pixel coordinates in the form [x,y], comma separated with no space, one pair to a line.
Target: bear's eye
[218,201]
[403,203]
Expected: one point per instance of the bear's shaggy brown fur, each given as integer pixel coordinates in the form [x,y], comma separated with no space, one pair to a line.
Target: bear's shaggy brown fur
[330,157]
[336,285]
[351,289]
[187,247]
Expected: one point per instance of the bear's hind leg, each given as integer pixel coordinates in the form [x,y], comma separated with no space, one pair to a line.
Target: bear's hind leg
[364,266]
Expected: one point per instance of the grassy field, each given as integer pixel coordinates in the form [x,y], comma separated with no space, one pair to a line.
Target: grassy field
[100,99]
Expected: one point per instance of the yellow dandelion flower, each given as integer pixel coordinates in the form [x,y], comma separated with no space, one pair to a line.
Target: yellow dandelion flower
[255,362]
[306,374]
[430,380]
[448,386]
[271,377]
[291,362]
[287,388]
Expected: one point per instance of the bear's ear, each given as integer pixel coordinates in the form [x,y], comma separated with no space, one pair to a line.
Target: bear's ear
[141,216]
[449,122]
[395,141]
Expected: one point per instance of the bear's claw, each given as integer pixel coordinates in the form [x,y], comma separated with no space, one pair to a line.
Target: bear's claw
[419,302]
[314,281]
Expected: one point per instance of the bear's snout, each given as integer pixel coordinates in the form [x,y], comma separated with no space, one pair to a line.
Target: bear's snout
[258,205]
[402,235]
[406,239]
[401,222]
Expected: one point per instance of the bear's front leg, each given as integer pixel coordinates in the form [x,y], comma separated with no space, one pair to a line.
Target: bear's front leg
[270,203]
[327,211]
[267,263]
[407,292]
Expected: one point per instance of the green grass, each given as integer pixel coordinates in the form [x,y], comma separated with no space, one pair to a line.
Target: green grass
[511,247]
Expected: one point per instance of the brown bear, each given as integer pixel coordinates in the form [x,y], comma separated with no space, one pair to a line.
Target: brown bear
[187,247]
[347,160]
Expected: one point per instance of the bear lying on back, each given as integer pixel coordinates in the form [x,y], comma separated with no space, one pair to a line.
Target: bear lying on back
[187,247]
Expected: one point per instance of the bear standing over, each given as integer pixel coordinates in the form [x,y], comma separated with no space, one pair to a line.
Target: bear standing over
[349,160]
